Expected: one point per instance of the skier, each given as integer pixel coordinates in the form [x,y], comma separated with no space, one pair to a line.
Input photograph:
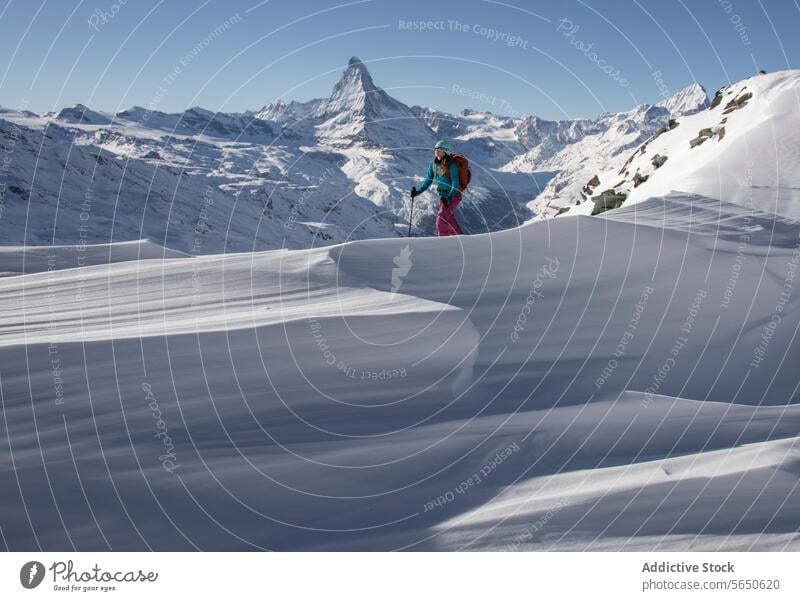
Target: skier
[444,171]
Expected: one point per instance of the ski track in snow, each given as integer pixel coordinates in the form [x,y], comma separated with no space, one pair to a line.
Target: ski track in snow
[313,401]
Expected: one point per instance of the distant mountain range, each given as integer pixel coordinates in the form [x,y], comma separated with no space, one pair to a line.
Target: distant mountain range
[297,174]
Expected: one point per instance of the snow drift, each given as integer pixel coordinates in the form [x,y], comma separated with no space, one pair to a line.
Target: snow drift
[584,383]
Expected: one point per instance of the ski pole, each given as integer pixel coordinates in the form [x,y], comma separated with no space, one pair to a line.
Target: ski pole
[411,214]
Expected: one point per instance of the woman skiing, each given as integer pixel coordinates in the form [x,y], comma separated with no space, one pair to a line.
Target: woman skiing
[444,171]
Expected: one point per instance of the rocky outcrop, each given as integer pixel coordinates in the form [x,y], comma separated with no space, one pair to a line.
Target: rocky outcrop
[737,103]
[607,200]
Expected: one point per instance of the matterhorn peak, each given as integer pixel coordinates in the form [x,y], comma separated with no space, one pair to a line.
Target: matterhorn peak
[355,91]
[357,109]
[356,76]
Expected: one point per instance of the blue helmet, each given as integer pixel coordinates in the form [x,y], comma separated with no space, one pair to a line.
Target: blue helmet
[445,146]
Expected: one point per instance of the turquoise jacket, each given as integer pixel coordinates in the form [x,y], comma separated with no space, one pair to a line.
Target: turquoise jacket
[446,186]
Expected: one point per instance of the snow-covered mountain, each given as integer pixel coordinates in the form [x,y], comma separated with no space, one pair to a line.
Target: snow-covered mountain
[688,101]
[358,111]
[287,112]
[107,184]
[578,150]
[82,115]
[741,149]
[199,121]
[600,147]
[489,140]
[325,170]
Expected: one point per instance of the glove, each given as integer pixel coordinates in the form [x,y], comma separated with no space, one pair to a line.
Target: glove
[414,192]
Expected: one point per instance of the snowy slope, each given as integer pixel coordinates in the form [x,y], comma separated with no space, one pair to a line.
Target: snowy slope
[18,260]
[93,184]
[614,135]
[577,383]
[742,149]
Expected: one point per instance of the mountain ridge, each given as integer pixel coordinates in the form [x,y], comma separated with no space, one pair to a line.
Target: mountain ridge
[304,162]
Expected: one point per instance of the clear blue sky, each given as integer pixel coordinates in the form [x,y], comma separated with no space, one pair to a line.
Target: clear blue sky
[60,52]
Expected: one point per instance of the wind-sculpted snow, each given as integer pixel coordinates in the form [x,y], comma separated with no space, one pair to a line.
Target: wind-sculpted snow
[18,260]
[617,382]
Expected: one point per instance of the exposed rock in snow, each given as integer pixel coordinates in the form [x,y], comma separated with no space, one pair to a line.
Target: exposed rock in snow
[611,136]
[741,149]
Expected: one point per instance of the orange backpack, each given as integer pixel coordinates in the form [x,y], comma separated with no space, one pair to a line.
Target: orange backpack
[464,172]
